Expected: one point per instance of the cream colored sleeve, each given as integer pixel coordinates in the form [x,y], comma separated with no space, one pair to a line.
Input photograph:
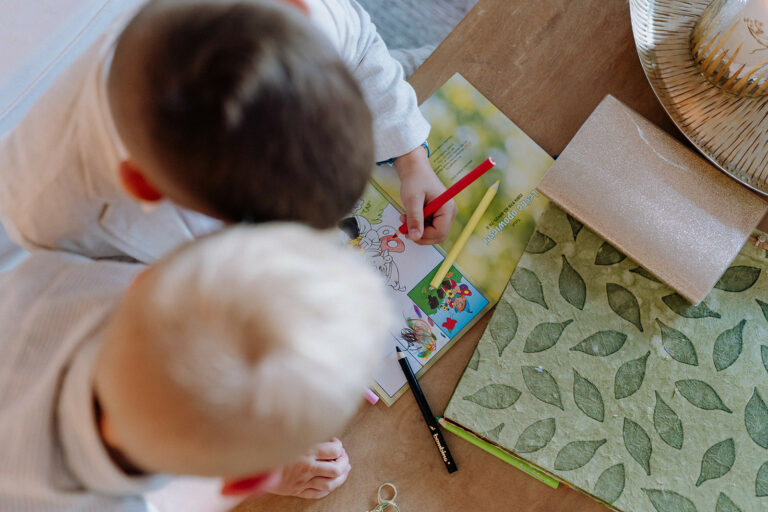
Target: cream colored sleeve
[399,126]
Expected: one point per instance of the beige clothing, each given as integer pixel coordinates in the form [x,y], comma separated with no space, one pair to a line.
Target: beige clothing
[58,168]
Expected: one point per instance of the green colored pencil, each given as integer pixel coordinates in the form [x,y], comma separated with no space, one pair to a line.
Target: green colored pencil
[498,452]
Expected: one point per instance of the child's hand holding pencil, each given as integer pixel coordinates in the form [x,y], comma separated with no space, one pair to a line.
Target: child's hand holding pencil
[419,186]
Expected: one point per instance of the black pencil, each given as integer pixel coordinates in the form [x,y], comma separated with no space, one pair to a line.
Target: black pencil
[434,429]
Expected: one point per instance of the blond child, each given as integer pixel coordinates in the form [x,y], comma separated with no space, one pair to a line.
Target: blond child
[208,111]
[229,358]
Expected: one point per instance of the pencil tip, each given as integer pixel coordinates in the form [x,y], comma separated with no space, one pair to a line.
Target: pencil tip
[398,349]
[496,185]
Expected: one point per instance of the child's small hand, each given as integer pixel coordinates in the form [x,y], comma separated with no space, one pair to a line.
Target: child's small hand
[316,474]
[419,185]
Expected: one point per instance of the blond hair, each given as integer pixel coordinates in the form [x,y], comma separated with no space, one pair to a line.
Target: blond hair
[240,351]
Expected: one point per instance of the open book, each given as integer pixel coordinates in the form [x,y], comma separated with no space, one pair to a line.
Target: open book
[466,129]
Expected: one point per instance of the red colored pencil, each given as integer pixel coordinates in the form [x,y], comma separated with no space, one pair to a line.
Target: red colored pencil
[454,189]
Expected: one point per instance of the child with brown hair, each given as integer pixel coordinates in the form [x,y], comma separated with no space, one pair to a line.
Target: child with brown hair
[240,110]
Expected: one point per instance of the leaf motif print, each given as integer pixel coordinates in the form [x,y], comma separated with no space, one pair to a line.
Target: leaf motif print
[610,483]
[587,397]
[536,436]
[756,419]
[761,481]
[644,273]
[602,343]
[728,346]
[495,396]
[738,279]
[575,226]
[503,325]
[717,461]
[669,501]
[528,285]
[576,454]
[638,444]
[539,243]
[624,303]
[572,286]
[667,424]
[608,255]
[682,307]
[677,345]
[725,504]
[701,394]
[544,336]
[542,385]
[630,376]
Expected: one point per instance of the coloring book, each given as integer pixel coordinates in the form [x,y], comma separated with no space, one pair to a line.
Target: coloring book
[466,129]
[596,372]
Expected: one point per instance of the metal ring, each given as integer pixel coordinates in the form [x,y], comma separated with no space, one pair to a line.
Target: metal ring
[391,500]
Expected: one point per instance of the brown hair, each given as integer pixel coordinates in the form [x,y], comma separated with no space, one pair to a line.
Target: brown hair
[245,108]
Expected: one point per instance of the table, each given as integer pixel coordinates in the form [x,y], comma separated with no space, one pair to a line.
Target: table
[546,64]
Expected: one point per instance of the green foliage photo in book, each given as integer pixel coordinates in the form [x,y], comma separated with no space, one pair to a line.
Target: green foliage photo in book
[466,129]
[594,371]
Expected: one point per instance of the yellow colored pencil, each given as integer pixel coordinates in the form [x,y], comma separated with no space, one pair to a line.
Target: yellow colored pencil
[464,236]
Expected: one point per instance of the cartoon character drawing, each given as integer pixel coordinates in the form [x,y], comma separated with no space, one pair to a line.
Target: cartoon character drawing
[456,296]
[377,245]
[419,336]
[451,296]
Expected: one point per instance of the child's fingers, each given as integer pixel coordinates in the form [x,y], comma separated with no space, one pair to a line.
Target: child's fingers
[320,483]
[414,212]
[442,221]
[313,494]
[331,469]
[329,451]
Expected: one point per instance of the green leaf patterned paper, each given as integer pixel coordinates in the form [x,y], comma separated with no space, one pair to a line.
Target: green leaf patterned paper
[611,381]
